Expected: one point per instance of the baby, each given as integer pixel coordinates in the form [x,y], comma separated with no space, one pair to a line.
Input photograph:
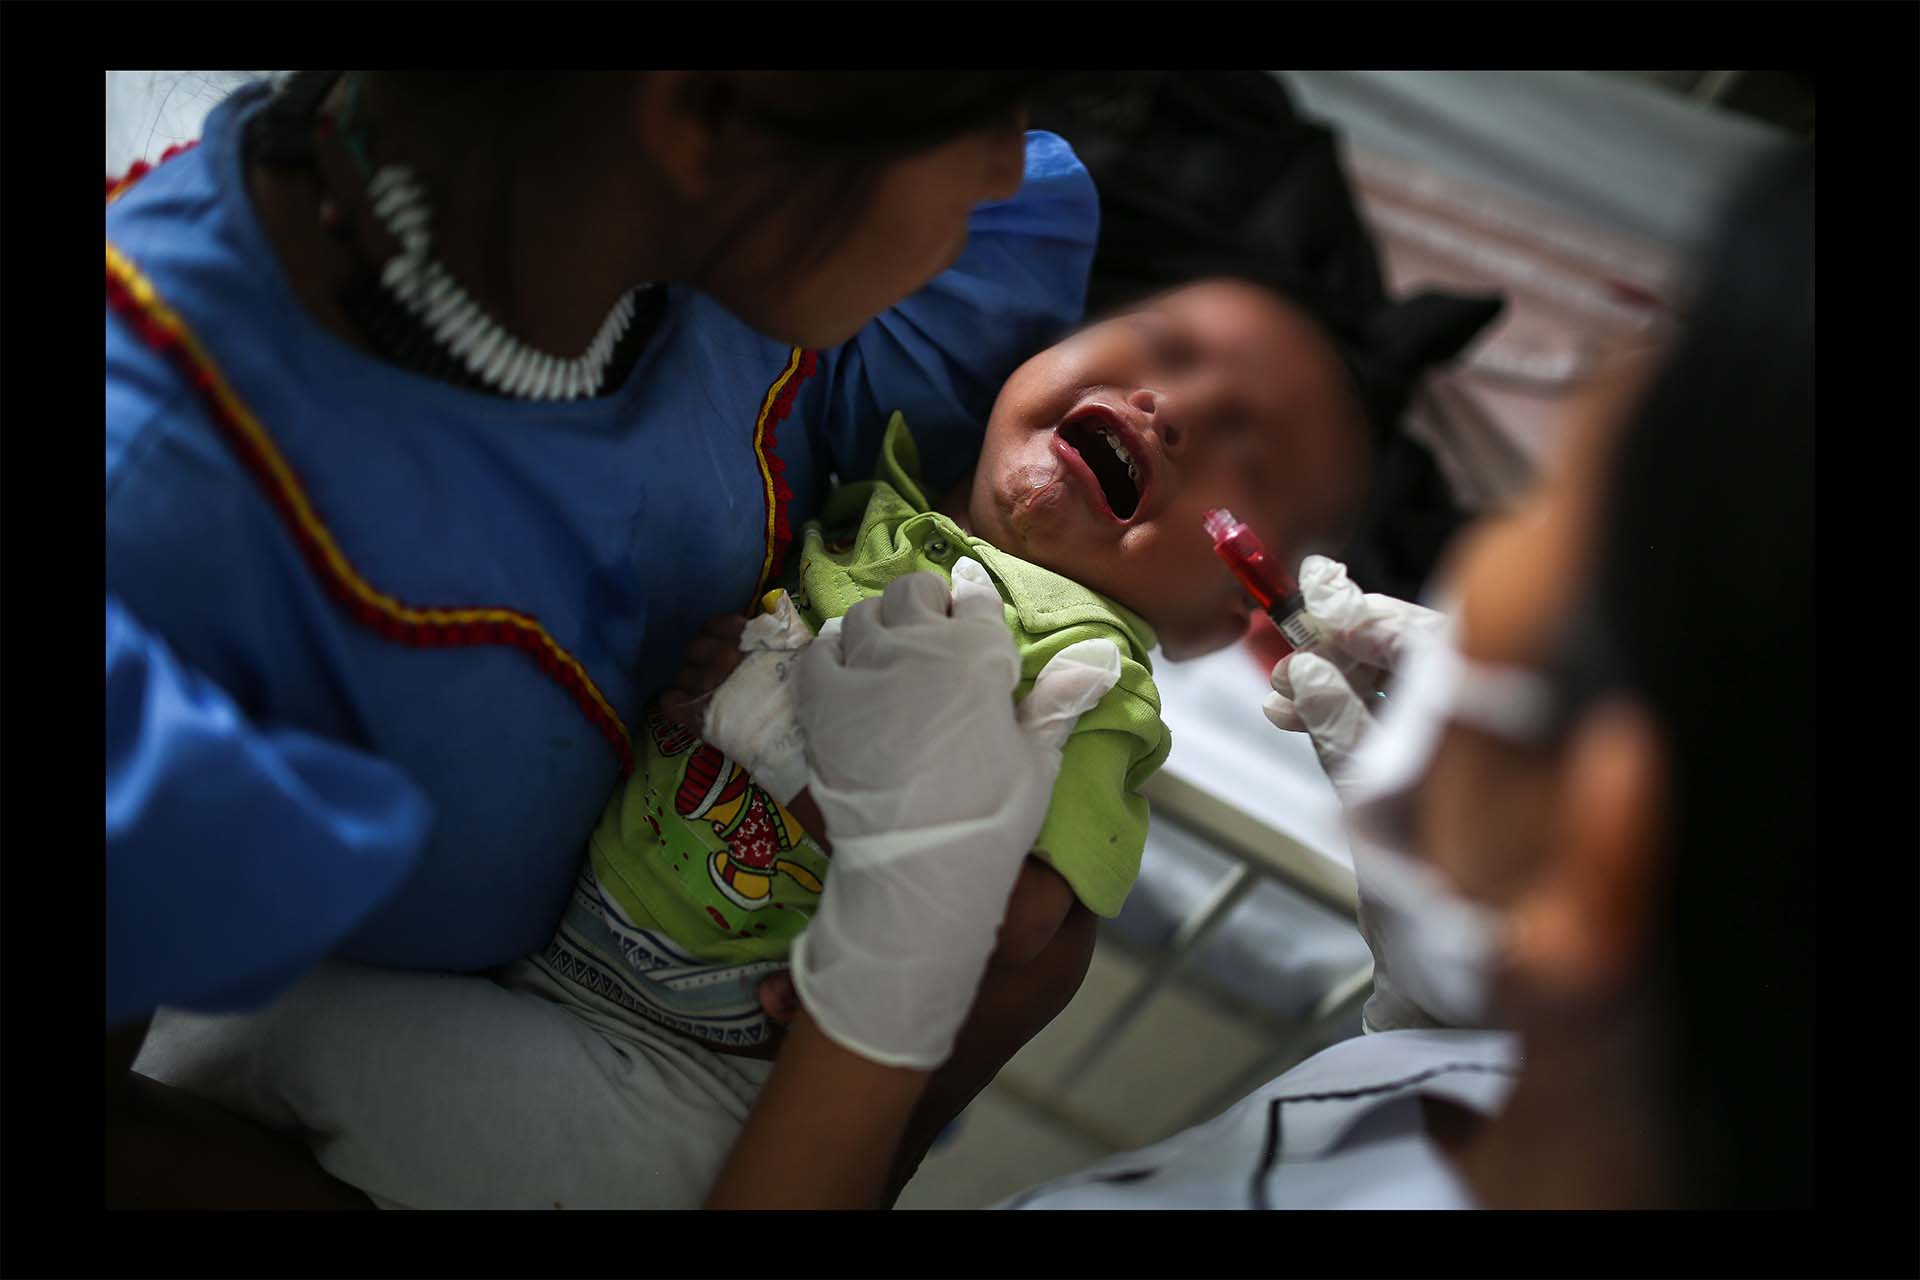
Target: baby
[1102,456]
[616,1066]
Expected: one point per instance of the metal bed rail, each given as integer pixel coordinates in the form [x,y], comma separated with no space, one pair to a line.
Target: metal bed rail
[1260,853]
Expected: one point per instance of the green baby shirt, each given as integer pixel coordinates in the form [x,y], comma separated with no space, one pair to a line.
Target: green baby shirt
[697,881]
[871,533]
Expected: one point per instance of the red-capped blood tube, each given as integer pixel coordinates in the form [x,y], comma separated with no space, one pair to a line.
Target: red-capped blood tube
[1263,578]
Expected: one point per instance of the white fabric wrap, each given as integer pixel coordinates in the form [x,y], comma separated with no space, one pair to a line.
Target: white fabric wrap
[751,717]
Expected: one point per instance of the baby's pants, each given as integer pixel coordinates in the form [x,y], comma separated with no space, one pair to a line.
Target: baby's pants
[446,1091]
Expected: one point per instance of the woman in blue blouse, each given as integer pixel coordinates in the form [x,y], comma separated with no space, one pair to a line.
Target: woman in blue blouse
[442,408]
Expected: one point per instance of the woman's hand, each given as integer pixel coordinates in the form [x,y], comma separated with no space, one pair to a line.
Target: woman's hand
[1040,957]
[932,786]
[932,789]
[1328,693]
[1325,694]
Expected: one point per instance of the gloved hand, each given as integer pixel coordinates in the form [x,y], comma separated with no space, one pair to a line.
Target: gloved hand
[933,786]
[752,715]
[1327,693]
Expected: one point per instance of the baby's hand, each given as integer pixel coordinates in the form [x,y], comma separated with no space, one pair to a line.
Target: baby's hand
[711,658]
[737,693]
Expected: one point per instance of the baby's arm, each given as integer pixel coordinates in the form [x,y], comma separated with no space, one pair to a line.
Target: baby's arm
[1046,943]
[1037,908]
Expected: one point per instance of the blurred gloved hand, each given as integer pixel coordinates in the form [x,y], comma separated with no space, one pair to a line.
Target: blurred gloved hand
[752,716]
[933,786]
[1328,693]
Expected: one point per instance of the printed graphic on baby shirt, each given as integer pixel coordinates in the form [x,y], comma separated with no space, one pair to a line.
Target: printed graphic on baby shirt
[741,871]
[758,831]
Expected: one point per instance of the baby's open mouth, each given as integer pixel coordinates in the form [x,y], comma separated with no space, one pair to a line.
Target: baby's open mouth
[1108,459]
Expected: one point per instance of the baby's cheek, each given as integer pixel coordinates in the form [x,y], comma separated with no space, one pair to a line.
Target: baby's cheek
[1037,504]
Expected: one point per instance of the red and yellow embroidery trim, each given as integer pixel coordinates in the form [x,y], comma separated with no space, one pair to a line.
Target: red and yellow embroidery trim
[774,410]
[132,295]
[116,187]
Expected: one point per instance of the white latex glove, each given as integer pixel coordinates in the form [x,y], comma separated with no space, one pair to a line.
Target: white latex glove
[1326,694]
[752,716]
[933,786]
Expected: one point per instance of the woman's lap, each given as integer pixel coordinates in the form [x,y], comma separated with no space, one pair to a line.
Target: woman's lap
[451,1091]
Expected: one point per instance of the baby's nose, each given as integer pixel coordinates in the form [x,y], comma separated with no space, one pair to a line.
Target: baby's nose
[1156,406]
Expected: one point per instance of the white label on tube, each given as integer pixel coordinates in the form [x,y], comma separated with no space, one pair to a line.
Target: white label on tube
[1299,631]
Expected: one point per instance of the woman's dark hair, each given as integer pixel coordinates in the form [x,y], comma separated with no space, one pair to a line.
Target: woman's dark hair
[830,135]
[1705,594]
[879,114]
[838,131]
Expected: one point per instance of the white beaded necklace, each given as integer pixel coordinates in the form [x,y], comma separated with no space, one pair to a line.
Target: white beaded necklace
[460,325]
